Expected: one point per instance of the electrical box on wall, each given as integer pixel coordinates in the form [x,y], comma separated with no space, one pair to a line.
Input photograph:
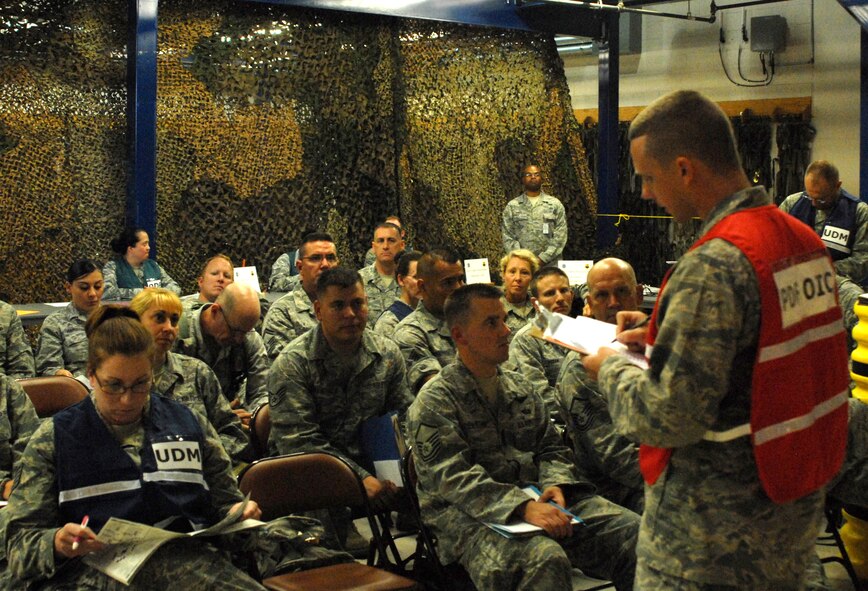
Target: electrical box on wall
[768,33]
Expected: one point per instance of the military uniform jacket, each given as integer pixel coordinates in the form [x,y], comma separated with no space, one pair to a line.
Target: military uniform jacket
[18,421]
[855,263]
[472,458]
[234,365]
[113,290]
[319,400]
[707,518]
[540,228]
[289,317]
[380,293]
[539,361]
[34,514]
[191,382]
[15,353]
[62,343]
[517,315]
[282,277]
[425,343]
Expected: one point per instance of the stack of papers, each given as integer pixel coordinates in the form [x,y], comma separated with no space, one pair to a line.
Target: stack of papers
[519,529]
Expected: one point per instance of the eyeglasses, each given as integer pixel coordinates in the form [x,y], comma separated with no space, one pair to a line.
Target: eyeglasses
[317,258]
[532,174]
[233,332]
[118,388]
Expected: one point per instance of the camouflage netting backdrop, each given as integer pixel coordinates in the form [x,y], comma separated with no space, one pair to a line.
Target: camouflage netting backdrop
[273,121]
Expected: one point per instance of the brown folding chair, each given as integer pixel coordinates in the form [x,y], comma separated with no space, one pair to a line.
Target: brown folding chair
[260,428]
[296,483]
[52,394]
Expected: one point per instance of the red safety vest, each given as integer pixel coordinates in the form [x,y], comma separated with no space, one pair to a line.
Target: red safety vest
[799,390]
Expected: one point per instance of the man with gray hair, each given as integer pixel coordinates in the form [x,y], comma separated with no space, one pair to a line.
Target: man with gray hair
[839,218]
[480,437]
[742,412]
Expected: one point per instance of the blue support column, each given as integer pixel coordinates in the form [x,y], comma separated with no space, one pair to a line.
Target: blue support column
[863,120]
[607,175]
[142,117]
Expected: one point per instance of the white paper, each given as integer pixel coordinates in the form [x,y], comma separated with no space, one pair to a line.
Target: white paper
[131,544]
[577,271]
[523,528]
[582,334]
[476,271]
[57,304]
[249,276]
[389,470]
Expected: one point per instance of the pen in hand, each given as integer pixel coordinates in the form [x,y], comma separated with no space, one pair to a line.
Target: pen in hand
[77,540]
[639,325]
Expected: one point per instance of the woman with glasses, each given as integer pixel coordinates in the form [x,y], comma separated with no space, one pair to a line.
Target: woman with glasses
[62,343]
[517,268]
[405,275]
[185,379]
[131,271]
[112,455]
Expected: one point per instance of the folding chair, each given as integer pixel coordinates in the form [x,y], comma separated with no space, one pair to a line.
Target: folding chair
[296,483]
[52,394]
[832,537]
[260,428]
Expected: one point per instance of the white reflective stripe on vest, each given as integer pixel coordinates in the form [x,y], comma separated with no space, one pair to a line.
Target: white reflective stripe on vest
[76,494]
[783,428]
[789,347]
[169,476]
[837,247]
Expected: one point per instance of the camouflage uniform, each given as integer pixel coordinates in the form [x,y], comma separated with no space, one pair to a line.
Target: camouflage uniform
[608,459]
[191,382]
[540,362]
[15,352]
[381,292]
[33,518]
[707,519]
[524,224]
[386,323]
[240,369]
[472,457]
[854,266]
[62,343]
[282,277]
[517,316]
[848,296]
[319,400]
[113,292]
[289,317]
[425,343]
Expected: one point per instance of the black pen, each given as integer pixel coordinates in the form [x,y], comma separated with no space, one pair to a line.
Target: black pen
[640,325]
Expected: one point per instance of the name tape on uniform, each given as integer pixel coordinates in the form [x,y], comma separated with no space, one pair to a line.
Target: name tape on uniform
[833,235]
[178,455]
[805,289]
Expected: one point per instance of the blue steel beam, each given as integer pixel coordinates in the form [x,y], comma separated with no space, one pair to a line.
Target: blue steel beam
[607,175]
[492,13]
[863,120]
[142,118]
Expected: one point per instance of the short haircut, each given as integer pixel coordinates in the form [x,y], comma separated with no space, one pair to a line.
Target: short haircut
[686,123]
[342,277]
[400,224]
[824,169]
[458,304]
[520,253]
[404,258]
[128,237]
[80,268]
[208,262]
[115,330]
[156,296]
[426,267]
[390,226]
[528,165]
[313,237]
[542,273]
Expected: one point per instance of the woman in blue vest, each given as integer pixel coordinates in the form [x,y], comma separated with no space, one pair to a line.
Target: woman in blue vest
[62,342]
[122,452]
[130,271]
